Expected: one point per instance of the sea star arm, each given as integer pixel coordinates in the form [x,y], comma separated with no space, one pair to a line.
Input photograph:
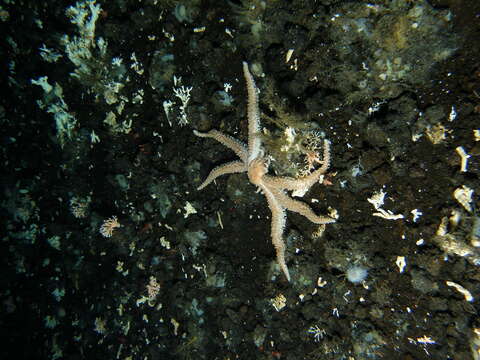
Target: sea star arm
[233,144]
[253,114]
[299,185]
[228,168]
[278,225]
[303,184]
[301,208]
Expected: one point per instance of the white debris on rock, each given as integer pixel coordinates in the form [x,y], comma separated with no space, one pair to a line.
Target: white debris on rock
[464,195]
[377,201]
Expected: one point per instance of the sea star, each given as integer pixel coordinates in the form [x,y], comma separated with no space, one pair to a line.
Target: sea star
[255,164]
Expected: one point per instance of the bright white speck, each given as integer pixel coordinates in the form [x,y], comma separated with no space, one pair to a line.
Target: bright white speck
[401,263]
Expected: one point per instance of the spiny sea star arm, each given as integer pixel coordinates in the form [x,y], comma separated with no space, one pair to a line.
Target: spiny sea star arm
[301,208]
[302,184]
[228,168]
[299,185]
[278,225]
[253,114]
[230,142]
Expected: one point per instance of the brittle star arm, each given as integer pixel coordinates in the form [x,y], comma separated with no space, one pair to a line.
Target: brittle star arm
[228,168]
[230,142]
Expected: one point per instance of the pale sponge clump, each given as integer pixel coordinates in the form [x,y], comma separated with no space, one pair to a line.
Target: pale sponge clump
[356,274]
